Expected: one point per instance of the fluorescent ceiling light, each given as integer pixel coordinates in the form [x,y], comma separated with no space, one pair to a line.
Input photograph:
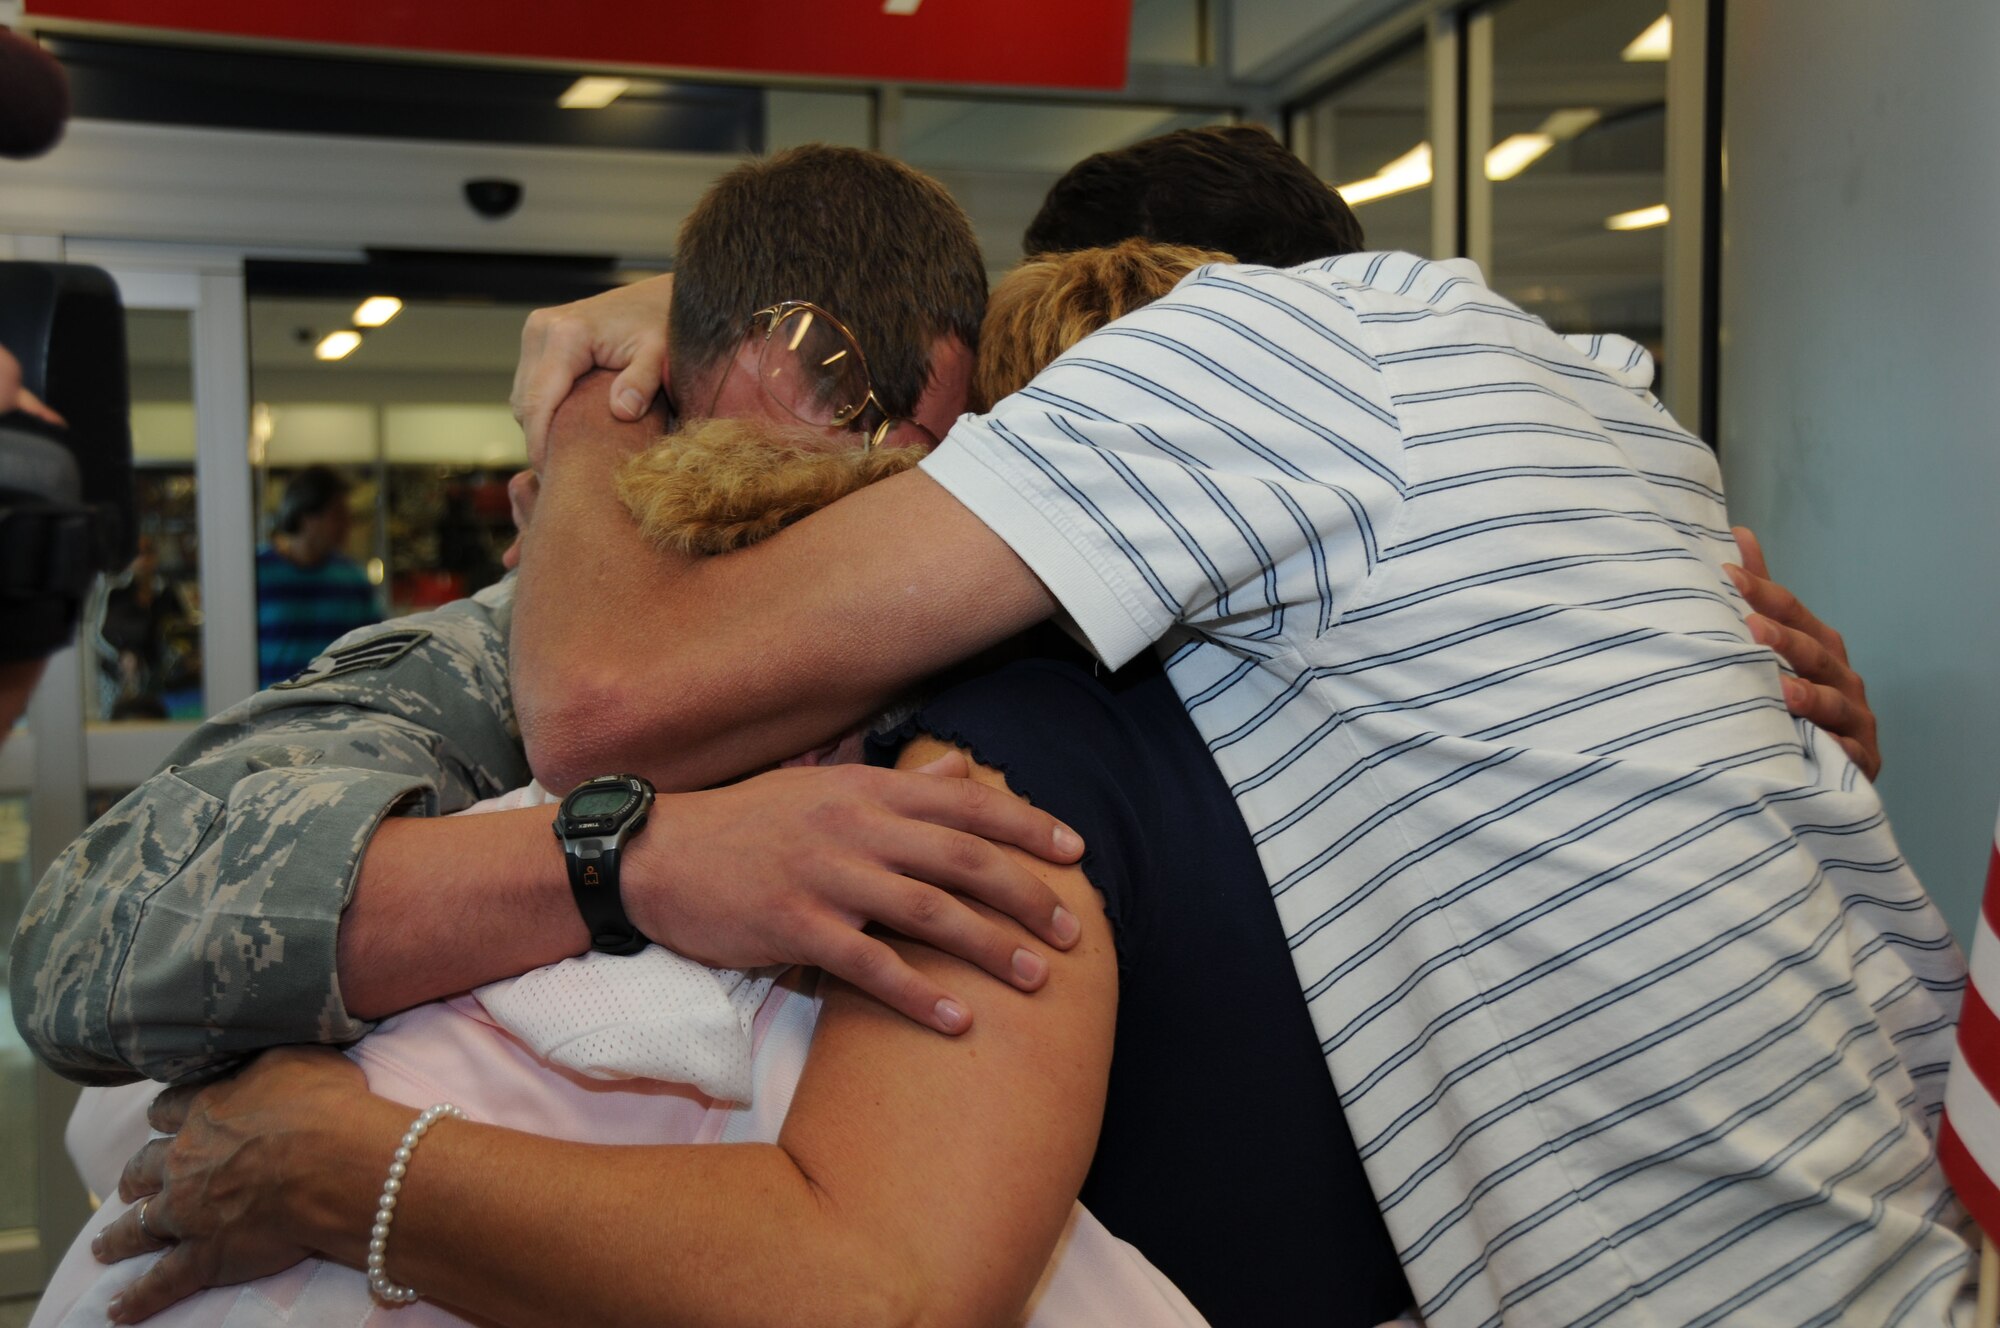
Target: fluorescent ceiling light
[337,345]
[900,6]
[1639,219]
[1565,125]
[1410,171]
[377,310]
[592,93]
[1510,156]
[1655,43]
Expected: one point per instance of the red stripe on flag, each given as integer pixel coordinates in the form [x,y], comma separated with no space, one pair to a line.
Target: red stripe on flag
[1979,1039]
[1990,904]
[1976,1189]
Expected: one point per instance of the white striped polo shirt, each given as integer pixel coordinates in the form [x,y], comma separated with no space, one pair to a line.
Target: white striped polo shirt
[1637,1013]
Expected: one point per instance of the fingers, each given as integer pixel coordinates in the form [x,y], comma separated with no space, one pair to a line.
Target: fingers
[873,966]
[917,908]
[1752,551]
[966,804]
[632,392]
[25,400]
[168,1112]
[1830,693]
[144,1170]
[1825,706]
[172,1279]
[1808,654]
[555,352]
[13,396]
[1782,606]
[968,865]
[1848,722]
[128,1238]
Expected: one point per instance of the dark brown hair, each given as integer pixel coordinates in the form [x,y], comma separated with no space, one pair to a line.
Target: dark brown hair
[1230,187]
[881,246]
[1048,304]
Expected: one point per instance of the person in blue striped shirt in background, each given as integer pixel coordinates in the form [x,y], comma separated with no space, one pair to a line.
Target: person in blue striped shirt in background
[1635,1010]
[309,593]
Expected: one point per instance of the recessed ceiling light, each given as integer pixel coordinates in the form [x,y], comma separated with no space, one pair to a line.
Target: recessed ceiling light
[337,345]
[900,6]
[1655,43]
[377,310]
[1514,154]
[1410,171]
[592,93]
[1638,219]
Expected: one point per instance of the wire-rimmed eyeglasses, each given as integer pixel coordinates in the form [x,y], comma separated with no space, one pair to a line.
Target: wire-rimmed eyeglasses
[811,365]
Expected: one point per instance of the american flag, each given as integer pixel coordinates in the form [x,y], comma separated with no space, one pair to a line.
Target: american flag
[1969,1137]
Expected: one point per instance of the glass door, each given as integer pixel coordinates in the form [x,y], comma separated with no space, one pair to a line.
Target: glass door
[148,663]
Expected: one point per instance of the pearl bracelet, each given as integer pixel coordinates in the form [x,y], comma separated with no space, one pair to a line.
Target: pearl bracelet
[378,1239]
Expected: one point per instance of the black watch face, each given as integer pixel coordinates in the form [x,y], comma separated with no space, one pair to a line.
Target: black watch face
[600,803]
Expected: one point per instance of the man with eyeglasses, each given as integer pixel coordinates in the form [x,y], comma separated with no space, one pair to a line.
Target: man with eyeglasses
[290,878]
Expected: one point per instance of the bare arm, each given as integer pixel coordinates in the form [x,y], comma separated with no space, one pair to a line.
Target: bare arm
[783,868]
[719,665]
[918,1179]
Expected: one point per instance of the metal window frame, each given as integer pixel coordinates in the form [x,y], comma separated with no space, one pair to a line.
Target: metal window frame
[1458,38]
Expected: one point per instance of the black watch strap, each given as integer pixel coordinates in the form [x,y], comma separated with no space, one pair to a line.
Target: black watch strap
[594,882]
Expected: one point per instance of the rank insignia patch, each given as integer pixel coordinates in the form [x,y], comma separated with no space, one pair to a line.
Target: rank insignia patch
[377,652]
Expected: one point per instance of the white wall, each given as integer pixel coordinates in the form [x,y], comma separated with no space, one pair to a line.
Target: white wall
[1860,376]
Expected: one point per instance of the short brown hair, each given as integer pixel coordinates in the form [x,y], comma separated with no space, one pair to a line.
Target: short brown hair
[1048,304]
[879,245]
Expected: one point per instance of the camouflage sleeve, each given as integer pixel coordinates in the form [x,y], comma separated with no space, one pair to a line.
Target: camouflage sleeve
[195,922]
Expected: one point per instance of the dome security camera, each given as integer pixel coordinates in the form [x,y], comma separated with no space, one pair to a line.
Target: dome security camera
[492,198]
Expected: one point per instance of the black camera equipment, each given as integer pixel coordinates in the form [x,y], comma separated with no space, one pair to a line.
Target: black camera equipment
[65,492]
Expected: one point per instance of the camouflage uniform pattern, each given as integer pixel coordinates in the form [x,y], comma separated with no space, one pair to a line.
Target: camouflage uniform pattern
[195,921]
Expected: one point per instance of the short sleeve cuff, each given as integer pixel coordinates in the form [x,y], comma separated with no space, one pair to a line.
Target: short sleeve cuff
[1000,489]
[293,842]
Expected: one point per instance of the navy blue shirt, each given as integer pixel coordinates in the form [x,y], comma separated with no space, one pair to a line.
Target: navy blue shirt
[1224,1155]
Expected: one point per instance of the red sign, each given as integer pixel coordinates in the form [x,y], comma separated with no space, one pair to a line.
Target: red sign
[1036,43]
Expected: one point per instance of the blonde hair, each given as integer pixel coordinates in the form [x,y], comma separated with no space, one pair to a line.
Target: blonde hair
[724,484]
[1052,301]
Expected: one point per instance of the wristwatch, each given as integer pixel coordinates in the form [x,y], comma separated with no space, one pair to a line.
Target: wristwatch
[593,823]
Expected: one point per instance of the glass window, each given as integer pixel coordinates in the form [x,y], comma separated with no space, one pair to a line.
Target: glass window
[965,133]
[1264,33]
[1168,32]
[1577,163]
[1370,137]
[143,627]
[17,1064]
[793,117]
[409,426]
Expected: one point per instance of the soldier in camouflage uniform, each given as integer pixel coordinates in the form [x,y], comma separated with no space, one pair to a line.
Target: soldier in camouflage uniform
[249,895]
[196,920]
